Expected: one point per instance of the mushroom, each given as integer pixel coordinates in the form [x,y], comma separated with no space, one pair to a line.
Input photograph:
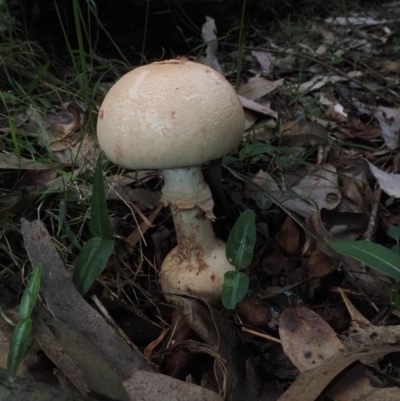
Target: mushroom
[176,115]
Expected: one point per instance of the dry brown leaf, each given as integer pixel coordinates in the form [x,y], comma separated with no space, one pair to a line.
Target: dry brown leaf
[357,129]
[156,387]
[322,236]
[318,265]
[15,201]
[208,34]
[304,133]
[54,350]
[389,121]
[80,151]
[357,385]
[16,388]
[317,190]
[253,312]
[134,237]
[37,178]
[249,104]
[356,20]
[13,162]
[335,112]
[265,59]
[97,373]
[388,182]
[371,336]
[310,384]
[388,65]
[306,338]
[150,347]
[355,315]
[56,128]
[318,81]
[355,188]
[257,87]
[288,236]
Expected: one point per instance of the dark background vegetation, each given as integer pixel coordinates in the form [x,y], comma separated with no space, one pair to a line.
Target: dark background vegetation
[156,29]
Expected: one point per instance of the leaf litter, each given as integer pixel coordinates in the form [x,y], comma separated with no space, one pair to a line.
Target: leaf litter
[319,163]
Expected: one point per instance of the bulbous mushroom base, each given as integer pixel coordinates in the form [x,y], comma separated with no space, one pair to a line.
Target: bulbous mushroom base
[199,276]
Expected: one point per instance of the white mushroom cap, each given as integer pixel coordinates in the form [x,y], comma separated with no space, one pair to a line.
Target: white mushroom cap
[170,114]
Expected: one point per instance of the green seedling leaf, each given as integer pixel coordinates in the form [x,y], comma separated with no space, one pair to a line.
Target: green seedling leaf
[234,288]
[255,149]
[373,255]
[18,344]
[396,249]
[228,160]
[71,235]
[61,216]
[390,200]
[262,201]
[241,241]
[99,220]
[31,293]
[92,261]
[394,232]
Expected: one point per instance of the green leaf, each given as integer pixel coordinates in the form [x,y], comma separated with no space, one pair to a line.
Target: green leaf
[394,232]
[396,249]
[255,149]
[241,241]
[92,261]
[390,200]
[18,344]
[373,255]
[234,288]
[228,160]
[99,220]
[262,201]
[31,293]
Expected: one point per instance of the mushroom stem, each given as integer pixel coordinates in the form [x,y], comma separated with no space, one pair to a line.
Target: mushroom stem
[194,233]
[198,263]
[185,188]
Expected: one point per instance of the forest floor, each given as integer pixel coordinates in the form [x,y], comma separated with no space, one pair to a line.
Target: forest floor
[82,240]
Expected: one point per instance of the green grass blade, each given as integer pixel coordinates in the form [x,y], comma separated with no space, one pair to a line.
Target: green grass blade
[373,255]
[241,46]
[241,241]
[18,344]
[38,79]
[82,54]
[92,261]
[234,288]
[62,209]
[71,235]
[31,293]
[99,220]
